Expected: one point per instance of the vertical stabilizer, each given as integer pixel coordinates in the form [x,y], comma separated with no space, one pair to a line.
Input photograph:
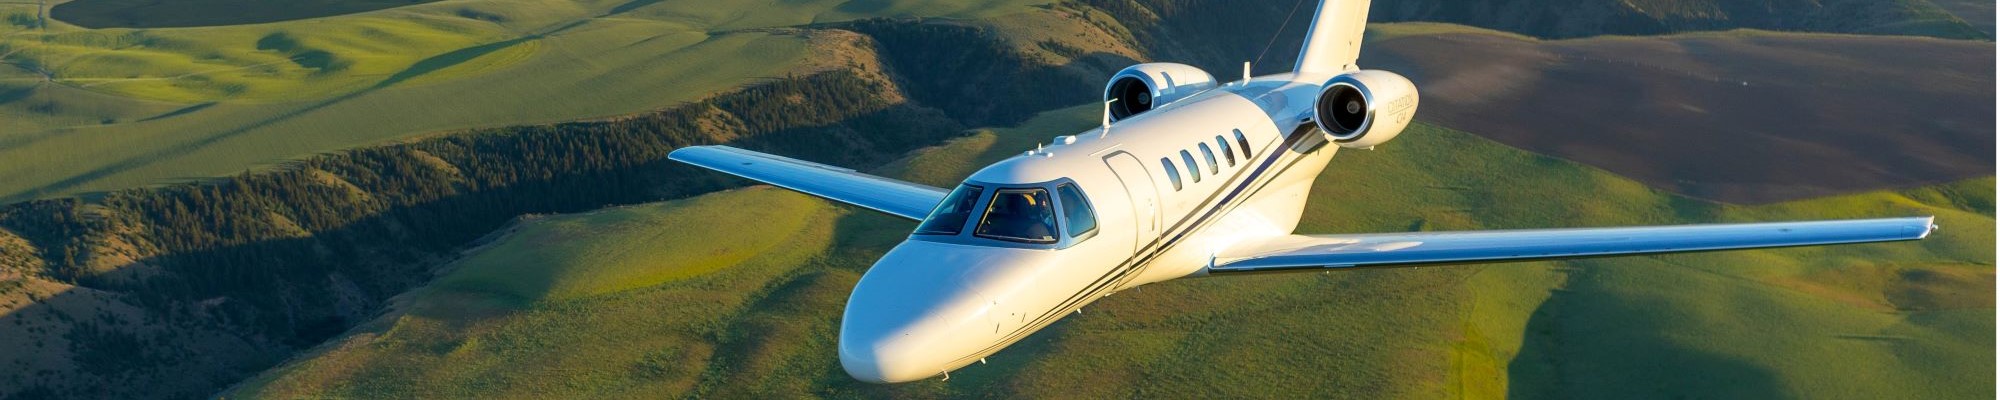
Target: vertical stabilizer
[1334,41]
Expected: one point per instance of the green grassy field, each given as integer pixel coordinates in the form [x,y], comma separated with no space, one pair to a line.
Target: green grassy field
[511,324]
[89,110]
[646,300]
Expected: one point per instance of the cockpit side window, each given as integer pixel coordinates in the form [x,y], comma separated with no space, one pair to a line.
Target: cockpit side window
[950,215]
[1019,215]
[1077,215]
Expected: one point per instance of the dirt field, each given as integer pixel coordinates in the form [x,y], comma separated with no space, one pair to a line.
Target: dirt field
[1741,117]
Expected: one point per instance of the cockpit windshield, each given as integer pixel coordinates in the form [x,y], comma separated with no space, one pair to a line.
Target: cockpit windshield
[949,217]
[1019,215]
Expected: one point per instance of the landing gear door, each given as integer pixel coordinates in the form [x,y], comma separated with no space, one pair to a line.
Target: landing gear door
[1144,194]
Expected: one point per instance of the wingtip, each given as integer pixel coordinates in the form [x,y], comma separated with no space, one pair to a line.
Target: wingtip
[1930,225]
[681,154]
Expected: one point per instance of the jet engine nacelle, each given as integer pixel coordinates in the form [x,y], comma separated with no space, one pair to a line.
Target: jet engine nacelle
[1142,87]
[1362,109]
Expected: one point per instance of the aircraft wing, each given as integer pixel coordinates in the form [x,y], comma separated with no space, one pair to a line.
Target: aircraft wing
[894,197]
[1314,252]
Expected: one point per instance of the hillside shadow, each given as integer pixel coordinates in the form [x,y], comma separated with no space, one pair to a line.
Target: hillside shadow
[283,294]
[78,342]
[1585,343]
[175,113]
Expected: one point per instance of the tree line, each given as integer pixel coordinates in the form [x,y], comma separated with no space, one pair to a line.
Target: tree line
[287,257]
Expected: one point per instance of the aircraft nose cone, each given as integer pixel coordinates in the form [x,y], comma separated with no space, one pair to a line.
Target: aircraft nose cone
[915,314]
[886,360]
[883,342]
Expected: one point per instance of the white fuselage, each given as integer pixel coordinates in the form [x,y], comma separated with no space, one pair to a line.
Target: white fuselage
[939,302]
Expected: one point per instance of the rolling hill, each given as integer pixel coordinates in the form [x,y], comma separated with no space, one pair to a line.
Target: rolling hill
[201,94]
[641,299]
[266,262]
[95,110]
[1739,116]
[228,220]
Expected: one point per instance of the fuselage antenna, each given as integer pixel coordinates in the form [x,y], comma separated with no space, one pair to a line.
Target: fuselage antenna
[1246,73]
[1107,119]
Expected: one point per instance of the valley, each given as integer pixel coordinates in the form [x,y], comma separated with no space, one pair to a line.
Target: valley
[1718,324]
[396,202]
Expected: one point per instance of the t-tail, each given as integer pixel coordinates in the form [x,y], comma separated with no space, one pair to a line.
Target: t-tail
[1333,42]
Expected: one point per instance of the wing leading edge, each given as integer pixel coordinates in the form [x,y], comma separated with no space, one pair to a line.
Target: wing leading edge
[1312,252]
[890,196]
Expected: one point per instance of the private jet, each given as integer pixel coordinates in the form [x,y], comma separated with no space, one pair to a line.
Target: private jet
[1186,177]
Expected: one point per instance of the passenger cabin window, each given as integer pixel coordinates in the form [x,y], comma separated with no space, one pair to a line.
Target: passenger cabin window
[1245,142]
[1172,174]
[1227,155]
[950,215]
[1019,215]
[1078,218]
[1209,155]
[1193,170]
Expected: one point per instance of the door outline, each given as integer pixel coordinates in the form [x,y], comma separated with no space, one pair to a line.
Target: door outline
[1146,216]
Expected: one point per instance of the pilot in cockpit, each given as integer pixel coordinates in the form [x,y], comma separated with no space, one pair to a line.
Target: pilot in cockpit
[1022,215]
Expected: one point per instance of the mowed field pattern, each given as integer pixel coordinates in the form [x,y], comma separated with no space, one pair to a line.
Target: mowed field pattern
[1739,116]
[572,306]
[90,110]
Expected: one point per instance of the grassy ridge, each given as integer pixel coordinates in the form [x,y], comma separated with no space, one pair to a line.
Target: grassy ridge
[1699,325]
[566,258]
[295,256]
[466,338]
[299,254]
[459,335]
[1883,320]
[91,110]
